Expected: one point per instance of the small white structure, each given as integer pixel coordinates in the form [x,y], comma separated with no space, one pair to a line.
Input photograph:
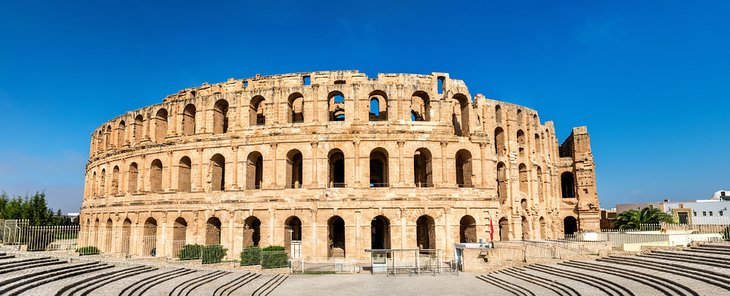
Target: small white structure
[711,211]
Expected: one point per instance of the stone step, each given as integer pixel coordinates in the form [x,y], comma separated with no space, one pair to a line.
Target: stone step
[668,287]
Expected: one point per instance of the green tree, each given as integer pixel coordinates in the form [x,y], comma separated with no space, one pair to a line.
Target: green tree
[633,219]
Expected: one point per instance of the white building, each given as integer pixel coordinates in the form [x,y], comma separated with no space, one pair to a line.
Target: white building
[699,212]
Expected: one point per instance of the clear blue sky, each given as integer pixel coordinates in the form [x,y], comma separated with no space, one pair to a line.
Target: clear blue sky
[650,79]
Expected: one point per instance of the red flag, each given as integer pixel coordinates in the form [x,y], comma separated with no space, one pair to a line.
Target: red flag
[491,230]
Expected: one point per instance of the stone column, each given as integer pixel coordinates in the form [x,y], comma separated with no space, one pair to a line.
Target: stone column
[273,179]
[171,186]
[234,184]
[401,164]
[356,144]
[199,187]
[483,155]
[444,178]
[315,160]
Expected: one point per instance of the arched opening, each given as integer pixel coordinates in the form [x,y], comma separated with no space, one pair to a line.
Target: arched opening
[126,236]
[379,168]
[132,179]
[293,235]
[108,137]
[520,117]
[521,142]
[336,106]
[540,193]
[467,229]
[102,183]
[254,170]
[108,236]
[115,181]
[378,106]
[188,120]
[543,228]
[336,230]
[138,127]
[156,176]
[294,169]
[251,232]
[502,183]
[570,225]
[161,126]
[422,168]
[296,108]
[425,232]
[220,117]
[121,131]
[336,168]
[460,115]
[523,179]
[498,114]
[538,146]
[218,173]
[94,190]
[420,106]
[499,142]
[149,238]
[179,233]
[213,231]
[380,233]
[504,229]
[525,228]
[567,185]
[184,178]
[463,168]
[535,121]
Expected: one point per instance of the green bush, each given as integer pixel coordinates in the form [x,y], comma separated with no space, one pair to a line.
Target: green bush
[87,251]
[726,233]
[274,257]
[251,256]
[190,252]
[213,254]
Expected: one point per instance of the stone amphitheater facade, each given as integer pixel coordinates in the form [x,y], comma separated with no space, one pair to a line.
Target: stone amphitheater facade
[330,164]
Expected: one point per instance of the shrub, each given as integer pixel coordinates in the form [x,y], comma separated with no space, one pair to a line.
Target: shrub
[190,252]
[274,257]
[213,254]
[726,233]
[90,250]
[251,256]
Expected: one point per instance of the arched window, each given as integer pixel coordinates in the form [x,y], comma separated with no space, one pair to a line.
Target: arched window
[220,117]
[133,176]
[102,183]
[188,120]
[567,185]
[378,106]
[94,190]
[504,229]
[422,168]
[425,232]
[213,231]
[523,178]
[257,111]
[336,106]
[126,236]
[460,115]
[502,183]
[115,180]
[540,193]
[521,142]
[121,131]
[379,168]
[380,233]
[499,142]
[107,236]
[254,170]
[336,168]
[420,106]
[293,233]
[251,232]
[184,179]
[467,230]
[100,141]
[537,144]
[296,108]
[463,168]
[138,128]
[179,234]
[108,138]
[543,229]
[520,118]
[294,169]
[218,173]
[498,114]
[336,230]
[535,121]
[570,225]
[156,176]
[525,228]
[149,238]
[161,126]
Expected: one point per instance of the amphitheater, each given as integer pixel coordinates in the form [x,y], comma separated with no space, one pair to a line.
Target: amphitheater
[330,164]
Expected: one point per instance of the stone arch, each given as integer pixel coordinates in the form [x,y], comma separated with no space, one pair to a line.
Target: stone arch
[217,173]
[156,176]
[336,168]
[161,125]
[295,104]
[294,169]
[521,142]
[498,114]
[254,170]
[378,108]
[126,235]
[380,232]
[94,189]
[132,178]
[179,235]
[460,115]
[336,231]
[108,236]
[184,176]
[463,168]
[293,232]
[499,141]
[115,181]
[524,183]
[213,231]
[220,117]
[535,121]
[425,232]
[567,185]
[379,168]
[420,106]
[108,138]
[543,228]
[467,229]
[102,183]
[502,183]
[188,120]
[336,106]
[538,145]
[251,232]
[570,225]
[121,133]
[423,168]
[525,228]
[138,128]
[520,117]
[504,228]
[540,186]
[149,237]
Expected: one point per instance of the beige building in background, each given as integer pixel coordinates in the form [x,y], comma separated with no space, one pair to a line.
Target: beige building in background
[329,164]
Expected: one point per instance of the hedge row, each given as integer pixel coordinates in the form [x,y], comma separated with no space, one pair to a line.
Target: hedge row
[209,254]
[90,250]
[269,257]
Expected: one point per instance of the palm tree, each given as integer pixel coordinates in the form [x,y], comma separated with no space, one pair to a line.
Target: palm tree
[633,219]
